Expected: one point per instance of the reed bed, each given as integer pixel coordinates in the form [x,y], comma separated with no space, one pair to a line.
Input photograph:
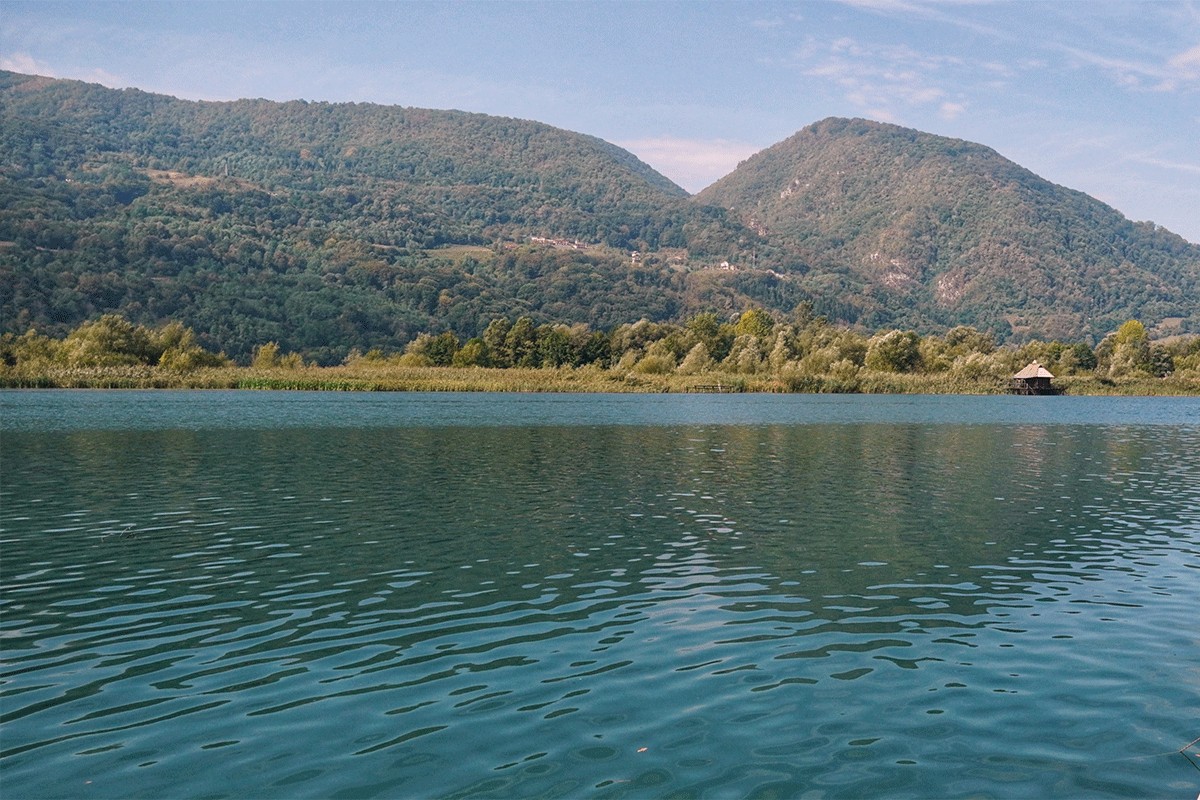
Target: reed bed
[392,378]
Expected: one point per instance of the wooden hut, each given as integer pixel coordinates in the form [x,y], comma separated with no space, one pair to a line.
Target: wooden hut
[1034,379]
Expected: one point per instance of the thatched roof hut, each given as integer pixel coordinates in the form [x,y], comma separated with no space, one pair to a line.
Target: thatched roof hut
[1033,379]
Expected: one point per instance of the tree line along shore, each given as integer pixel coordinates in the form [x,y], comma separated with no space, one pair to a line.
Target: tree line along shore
[748,352]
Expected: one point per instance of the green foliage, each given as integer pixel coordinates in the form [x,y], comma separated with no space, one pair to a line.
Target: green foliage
[472,354]
[655,365]
[495,340]
[1078,358]
[30,351]
[434,351]
[554,346]
[697,360]
[894,351]
[754,322]
[108,342]
[746,355]
[1184,355]
[964,340]
[1127,351]
[811,357]
[325,228]
[332,228]
[1060,358]
[704,327]
[521,343]
[594,348]
[266,356]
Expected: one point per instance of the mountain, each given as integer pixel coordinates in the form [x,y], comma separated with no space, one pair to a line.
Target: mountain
[331,226]
[456,176]
[922,229]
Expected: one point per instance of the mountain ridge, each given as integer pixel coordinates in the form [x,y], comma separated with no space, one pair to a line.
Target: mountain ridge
[951,222]
[330,226]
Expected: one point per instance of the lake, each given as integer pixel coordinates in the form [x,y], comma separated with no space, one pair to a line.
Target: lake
[275,595]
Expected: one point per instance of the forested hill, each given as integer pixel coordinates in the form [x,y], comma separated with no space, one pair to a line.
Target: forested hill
[460,176]
[328,227]
[954,232]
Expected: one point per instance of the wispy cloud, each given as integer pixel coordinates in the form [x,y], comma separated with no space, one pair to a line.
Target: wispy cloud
[1180,71]
[933,12]
[1130,59]
[692,163]
[885,80]
[767,24]
[888,6]
[950,111]
[1186,64]
[1162,163]
[22,62]
[28,65]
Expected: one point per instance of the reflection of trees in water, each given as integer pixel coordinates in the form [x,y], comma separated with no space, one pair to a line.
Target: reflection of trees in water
[394,518]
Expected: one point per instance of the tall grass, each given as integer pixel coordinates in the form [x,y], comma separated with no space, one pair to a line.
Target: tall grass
[388,377]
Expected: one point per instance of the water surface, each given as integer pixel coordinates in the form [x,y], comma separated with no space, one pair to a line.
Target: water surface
[219,594]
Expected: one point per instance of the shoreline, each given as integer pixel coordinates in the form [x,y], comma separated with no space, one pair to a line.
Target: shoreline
[566,379]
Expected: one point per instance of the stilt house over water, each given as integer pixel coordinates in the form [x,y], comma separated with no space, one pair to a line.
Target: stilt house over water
[1034,379]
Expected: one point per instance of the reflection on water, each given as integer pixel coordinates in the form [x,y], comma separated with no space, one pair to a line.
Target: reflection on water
[852,609]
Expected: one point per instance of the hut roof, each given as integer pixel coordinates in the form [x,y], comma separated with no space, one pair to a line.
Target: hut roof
[1033,370]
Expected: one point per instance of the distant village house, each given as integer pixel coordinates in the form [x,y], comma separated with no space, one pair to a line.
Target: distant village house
[560,243]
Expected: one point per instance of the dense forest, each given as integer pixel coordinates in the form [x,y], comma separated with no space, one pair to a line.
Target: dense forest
[332,228]
[329,227]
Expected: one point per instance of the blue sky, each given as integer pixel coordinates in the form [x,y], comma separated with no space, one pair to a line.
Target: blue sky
[1099,96]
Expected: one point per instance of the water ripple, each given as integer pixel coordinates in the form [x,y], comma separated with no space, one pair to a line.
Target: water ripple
[702,610]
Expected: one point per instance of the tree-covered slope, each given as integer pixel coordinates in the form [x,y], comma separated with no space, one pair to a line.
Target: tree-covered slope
[477,175]
[323,226]
[327,227]
[921,228]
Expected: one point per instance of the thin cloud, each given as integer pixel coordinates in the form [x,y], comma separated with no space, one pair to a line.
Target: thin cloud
[28,65]
[1126,70]
[1187,63]
[928,11]
[890,6]
[1147,73]
[764,24]
[882,115]
[1162,163]
[1171,75]
[952,111]
[878,79]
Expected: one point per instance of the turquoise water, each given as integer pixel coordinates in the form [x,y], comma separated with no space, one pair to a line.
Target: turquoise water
[218,594]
